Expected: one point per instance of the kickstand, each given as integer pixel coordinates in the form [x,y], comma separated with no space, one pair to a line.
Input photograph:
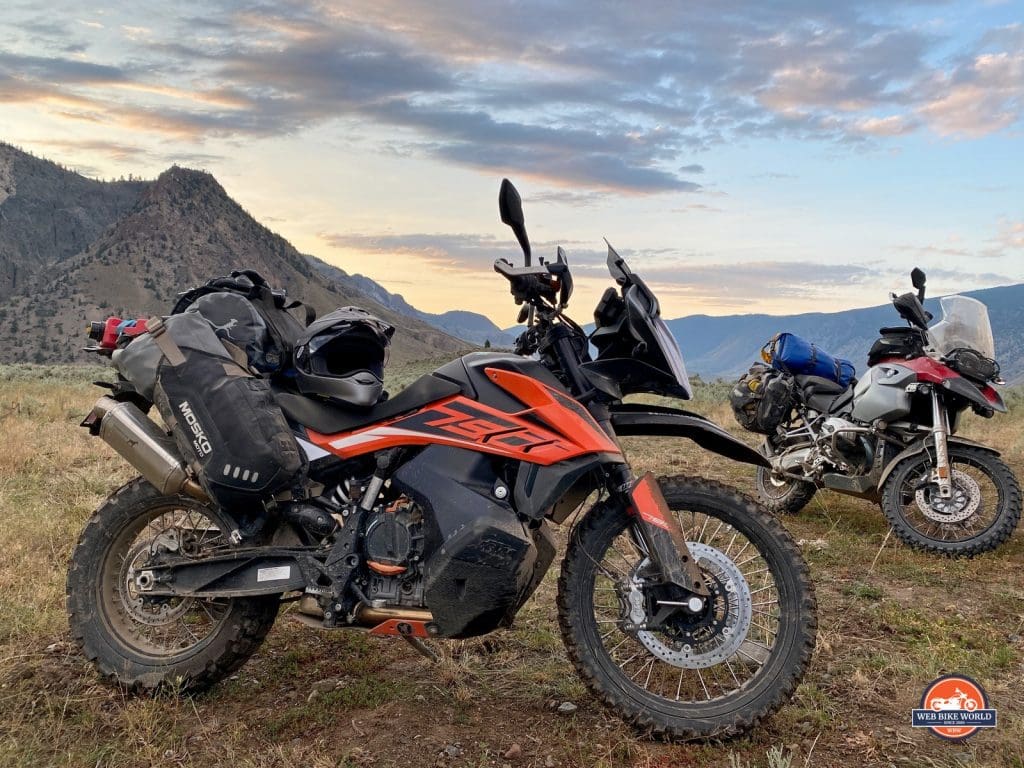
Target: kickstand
[422,647]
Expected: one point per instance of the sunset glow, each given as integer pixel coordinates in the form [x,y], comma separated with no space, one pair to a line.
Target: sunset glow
[770,157]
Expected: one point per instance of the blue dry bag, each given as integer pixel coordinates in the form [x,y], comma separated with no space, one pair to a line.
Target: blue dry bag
[791,354]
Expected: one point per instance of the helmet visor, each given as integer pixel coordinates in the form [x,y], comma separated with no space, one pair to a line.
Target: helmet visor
[358,349]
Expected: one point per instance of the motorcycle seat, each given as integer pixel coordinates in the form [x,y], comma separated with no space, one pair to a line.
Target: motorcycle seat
[328,418]
[824,395]
[818,385]
[831,403]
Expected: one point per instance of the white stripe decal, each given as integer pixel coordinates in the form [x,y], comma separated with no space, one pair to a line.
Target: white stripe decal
[379,433]
[313,452]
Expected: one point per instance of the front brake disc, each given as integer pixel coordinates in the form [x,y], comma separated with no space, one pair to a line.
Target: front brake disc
[733,607]
[960,506]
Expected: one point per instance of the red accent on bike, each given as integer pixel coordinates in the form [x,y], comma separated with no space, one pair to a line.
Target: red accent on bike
[927,369]
[109,340]
[392,627]
[991,395]
[559,411]
[114,328]
[649,503]
[384,568]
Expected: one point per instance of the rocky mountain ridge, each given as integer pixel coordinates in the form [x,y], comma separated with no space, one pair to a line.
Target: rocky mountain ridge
[178,231]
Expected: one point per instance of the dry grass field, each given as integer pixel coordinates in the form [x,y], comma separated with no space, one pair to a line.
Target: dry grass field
[890,621]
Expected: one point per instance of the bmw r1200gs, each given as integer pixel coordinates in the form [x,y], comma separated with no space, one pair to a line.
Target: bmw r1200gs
[892,436]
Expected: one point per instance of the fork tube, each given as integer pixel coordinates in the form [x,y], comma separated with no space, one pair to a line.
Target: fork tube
[940,431]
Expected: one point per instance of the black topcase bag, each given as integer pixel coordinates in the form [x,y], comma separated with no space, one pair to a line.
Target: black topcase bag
[282,328]
[224,420]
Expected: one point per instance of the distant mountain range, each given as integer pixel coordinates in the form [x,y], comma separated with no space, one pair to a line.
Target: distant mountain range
[724,347]
[470,326]
[73,249]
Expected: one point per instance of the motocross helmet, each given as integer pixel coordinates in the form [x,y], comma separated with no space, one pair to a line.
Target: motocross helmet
[341,357]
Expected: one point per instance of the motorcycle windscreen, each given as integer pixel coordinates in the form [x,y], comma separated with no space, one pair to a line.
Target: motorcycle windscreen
[964,323]
[670,349]
[663,351]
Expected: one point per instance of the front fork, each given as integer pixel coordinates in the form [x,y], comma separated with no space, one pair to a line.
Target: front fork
[941,475]
[661,535]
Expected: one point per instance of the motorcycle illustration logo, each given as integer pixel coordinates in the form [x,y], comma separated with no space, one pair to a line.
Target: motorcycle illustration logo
[959,700]
[954,707]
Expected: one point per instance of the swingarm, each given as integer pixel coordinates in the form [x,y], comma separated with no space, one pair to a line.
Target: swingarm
[238,573]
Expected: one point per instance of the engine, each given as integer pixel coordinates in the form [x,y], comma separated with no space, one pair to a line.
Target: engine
[441,543]
[847,445]
[839,444]
[393,548]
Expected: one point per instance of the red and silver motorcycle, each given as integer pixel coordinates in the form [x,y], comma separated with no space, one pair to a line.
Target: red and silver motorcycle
[892,436]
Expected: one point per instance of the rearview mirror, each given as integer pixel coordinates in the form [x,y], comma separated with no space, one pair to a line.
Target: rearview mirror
[564,278]
[917,278]
[510,206]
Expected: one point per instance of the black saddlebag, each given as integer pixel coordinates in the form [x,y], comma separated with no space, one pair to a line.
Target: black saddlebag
[762,399]
[225,420]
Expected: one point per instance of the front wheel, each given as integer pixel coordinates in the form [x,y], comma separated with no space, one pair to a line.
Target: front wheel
[981,514]
[782,495]
[711,674]
[143,642]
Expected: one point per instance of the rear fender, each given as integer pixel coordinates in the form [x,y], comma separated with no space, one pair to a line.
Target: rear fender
[923,445]
[635,420]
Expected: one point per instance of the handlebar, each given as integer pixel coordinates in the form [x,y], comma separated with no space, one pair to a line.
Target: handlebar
[533,284]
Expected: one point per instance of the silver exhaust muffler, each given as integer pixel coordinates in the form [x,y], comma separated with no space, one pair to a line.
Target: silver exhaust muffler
[141,442]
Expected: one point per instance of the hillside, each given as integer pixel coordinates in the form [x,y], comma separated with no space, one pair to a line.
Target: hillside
[182,229]
[471,326]
[74,249]
[50,214]
[723,347]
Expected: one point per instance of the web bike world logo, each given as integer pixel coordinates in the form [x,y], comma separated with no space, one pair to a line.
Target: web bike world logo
[954,707]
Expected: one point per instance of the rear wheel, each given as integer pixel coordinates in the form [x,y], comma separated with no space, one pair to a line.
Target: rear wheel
[144,642]
[981,514]
[783,495]
[710,674]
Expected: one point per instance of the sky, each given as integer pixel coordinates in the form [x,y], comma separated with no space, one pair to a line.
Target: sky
[745,156]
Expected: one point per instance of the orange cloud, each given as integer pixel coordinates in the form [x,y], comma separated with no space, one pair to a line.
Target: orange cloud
[988,97]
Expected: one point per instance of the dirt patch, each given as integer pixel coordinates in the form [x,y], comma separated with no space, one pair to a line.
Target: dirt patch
[320,699]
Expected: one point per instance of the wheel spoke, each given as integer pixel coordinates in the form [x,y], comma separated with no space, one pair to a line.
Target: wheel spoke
[161,626]
[728,556]
[702,685]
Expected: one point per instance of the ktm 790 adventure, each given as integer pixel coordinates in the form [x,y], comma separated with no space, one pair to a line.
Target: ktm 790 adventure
[684,606]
